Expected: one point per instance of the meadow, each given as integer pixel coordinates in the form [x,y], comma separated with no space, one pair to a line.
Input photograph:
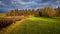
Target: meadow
[40,21]
[36,25]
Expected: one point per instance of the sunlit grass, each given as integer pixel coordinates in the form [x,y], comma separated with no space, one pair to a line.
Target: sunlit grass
[38,25]
[33,25]
[2,14]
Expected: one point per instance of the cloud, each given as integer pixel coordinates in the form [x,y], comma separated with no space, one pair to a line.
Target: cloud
[23,4]
[1,3]
[26,0]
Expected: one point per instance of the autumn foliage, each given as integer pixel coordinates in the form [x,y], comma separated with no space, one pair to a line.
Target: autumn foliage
[44,12]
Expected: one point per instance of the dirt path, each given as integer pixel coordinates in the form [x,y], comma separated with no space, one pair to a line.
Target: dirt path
[11,27]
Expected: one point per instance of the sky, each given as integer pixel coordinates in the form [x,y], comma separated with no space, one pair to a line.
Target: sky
[27,4]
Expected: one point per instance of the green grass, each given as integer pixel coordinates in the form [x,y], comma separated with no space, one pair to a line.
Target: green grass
[38,25]
[2,14]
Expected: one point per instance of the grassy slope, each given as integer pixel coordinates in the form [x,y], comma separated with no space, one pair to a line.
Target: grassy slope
[38,25]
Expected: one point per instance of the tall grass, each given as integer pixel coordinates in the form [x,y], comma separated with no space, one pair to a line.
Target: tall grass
[6,21]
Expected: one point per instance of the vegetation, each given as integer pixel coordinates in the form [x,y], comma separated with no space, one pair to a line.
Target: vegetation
[6,21]
[2,14]
[39,21]
[45,12]
[38,25]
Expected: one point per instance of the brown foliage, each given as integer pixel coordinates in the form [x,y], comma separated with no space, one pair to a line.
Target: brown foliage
[4,22]
[45,12]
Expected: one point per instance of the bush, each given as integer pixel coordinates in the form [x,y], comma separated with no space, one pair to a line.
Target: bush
[48,12]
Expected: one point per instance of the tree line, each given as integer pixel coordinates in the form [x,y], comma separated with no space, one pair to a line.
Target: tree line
[44,12]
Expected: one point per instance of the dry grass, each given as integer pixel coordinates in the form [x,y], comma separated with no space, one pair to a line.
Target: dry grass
[10,28]
[6,21]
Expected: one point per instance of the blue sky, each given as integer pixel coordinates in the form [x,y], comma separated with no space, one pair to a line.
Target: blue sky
[27,4]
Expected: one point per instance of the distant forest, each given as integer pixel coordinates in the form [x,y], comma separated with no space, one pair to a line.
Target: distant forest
[44,12]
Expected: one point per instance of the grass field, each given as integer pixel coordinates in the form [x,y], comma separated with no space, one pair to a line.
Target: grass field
[37,25]
[2,14]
